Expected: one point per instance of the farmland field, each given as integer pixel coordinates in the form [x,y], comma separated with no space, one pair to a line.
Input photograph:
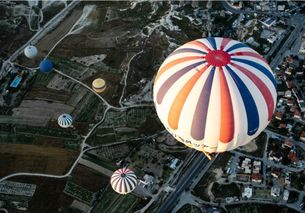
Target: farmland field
[31,158]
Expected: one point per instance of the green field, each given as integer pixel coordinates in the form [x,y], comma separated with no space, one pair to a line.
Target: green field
[106,164]
[116,203]
[78,192]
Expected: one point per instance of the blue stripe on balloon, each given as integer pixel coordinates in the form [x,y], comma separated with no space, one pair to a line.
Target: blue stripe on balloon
[236,46]
[249,103]
[187,50]
[257,66]
[212,42]
[201,111]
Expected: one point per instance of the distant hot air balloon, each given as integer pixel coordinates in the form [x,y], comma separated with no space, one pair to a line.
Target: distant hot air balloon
[215,94]
[123,181]
[46,66]
[30,51]
[99,85]
[65,120]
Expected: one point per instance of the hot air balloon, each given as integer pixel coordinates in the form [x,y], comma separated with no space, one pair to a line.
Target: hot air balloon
[215,94]
[46,66]
[30,51]
[123,181]
[65,120]
[99,85]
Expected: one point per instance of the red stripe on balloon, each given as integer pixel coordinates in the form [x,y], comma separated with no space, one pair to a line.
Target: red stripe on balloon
[227,114]
[224,43]
[252,54]
[261,86]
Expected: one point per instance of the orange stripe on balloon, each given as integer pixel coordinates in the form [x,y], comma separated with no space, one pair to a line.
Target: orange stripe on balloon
[227,117]
[177,105]
[175,62]
[198,43]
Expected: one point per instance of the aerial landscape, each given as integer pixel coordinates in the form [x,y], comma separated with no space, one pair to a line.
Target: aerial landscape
[142,106]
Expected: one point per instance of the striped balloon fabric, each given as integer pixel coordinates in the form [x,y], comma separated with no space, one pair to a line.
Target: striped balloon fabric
[65,120]
[123,181]
[215,94]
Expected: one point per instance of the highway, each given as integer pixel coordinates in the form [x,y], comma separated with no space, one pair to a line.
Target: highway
[198,164]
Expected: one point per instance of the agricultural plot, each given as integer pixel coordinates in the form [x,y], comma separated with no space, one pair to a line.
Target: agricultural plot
[36,159]
[79,192]
[112,202]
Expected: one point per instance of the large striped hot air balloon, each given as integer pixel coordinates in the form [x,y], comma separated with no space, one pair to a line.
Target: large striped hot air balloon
[215,94]
[123,181]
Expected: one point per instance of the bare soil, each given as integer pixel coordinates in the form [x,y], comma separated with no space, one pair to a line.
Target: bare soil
[31,158]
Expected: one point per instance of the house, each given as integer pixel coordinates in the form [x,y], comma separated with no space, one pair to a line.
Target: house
[302,136]
[290,84]
[147,182]
[173,164]
[293,109]
[292,156]
[246,165]
[275,173]
[275,191]
[242,177]
[282,125]
[288,71]
[279,115]
[288,144]
[300,72]
[288,94]
[290,102]
[247,193]
[285,195]
[268,22]
[256,166]
[287,180]
[297,114]
[257,178]
[275,156]
[281,7]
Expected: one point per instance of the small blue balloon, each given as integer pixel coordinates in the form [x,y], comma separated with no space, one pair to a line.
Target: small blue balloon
[46,65]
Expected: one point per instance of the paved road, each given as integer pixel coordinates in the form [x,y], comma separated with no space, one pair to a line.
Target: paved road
[295,34]
[199,163]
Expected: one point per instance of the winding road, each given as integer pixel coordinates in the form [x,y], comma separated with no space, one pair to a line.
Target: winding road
[84,147]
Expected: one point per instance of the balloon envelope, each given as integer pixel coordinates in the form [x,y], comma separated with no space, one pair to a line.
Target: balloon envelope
[215,94]
[30,51]
[65,120]
[46,65]
[123,181]
[99,85]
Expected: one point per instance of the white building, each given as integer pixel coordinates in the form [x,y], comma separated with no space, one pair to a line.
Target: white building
[285,195]
[247,192]
[268,22]
[174,163]
[275,191]
[148,181]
